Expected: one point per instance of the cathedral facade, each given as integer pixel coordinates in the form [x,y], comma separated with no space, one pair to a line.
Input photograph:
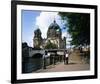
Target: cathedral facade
[54,38]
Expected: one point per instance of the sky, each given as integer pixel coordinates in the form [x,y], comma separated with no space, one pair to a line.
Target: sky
[31,20]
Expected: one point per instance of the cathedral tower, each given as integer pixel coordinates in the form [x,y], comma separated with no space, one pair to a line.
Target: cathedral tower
[54,38]
[54,34]
[37,40]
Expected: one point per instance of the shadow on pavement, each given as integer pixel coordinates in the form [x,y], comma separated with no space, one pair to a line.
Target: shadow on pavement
[71,63]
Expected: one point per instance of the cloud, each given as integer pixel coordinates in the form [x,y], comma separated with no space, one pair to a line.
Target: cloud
[45,19]
[64,34]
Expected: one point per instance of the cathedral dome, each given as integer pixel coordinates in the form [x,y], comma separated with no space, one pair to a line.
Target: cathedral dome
[37,33]
[54,25]
[54,30]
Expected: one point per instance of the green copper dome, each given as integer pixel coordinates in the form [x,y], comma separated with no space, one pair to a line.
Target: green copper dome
[54,25]
[54,30]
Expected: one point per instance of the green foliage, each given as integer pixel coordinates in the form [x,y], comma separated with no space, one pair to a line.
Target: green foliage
[24,45]
[78,27]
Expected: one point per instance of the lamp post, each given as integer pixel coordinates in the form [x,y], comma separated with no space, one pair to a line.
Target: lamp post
[65,46]
[63,27]
[44,60]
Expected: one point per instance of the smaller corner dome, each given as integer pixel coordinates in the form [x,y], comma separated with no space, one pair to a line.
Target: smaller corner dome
[37,31]
[54,25]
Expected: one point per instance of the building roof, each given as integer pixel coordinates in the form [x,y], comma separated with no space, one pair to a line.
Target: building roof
[54,25]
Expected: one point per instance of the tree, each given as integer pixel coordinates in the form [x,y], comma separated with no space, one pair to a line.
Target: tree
[78,27]
[24,44]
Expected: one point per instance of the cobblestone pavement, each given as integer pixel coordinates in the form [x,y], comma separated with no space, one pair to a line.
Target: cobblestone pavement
[75,64]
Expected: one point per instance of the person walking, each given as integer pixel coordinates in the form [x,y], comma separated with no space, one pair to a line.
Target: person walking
[66,58]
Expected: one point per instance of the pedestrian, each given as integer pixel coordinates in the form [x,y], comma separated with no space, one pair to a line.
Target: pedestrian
[66,58]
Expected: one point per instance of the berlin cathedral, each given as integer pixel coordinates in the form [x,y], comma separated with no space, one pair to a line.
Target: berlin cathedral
[54,38]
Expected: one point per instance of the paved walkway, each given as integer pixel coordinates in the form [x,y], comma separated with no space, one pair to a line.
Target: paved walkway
[75,64]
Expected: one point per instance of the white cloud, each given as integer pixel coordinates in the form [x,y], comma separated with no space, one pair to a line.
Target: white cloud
[64,34]
[45,19]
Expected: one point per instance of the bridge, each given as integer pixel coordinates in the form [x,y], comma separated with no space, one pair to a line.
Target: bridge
[33,52]
[42,51]
[39,58]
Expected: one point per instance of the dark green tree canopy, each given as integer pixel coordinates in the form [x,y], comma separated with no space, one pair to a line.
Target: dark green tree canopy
[78,27]
[24,44]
